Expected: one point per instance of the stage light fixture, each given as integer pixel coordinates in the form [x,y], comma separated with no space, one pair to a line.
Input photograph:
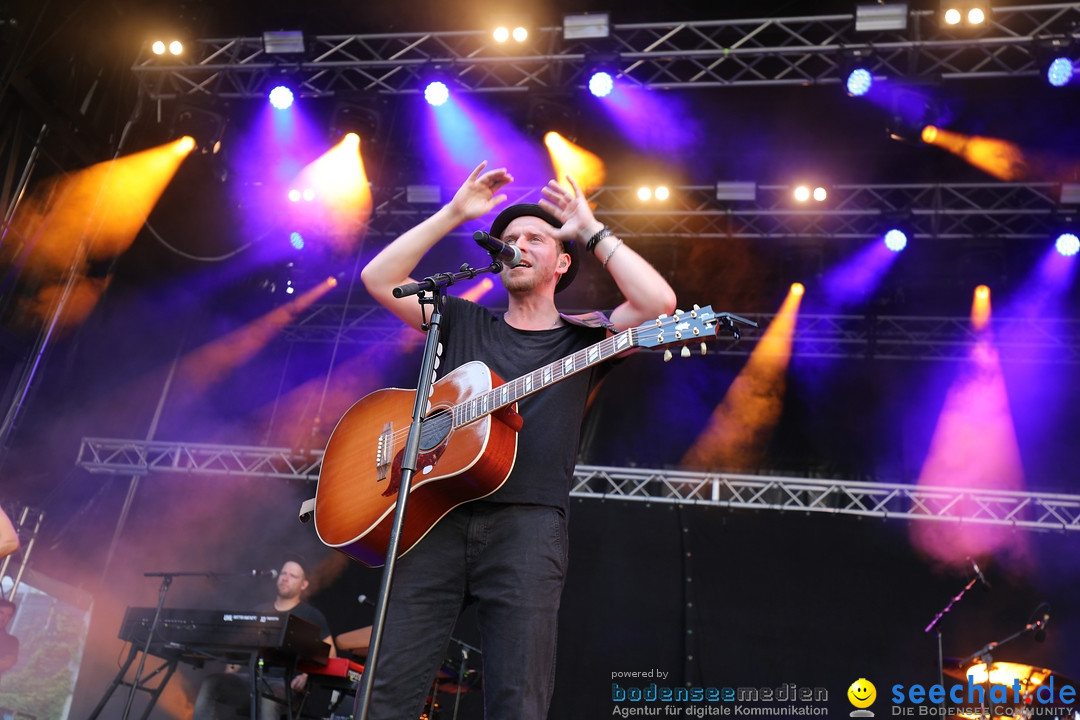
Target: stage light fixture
[281,97]
[176,47]
[602,68]
[501,34]
[423,194]
[520,34]
[552,113]
[436,93]
[964,13]
[283,42]
[802,193]
[296,240]
[662,193]
[158,47]
[736,191]
[895,239]
[859,82]
[205,127]
[880,17]
[586,26]
[911,111]
[644,194]
[1056,57]
[820,194]
[601,83]
[1067,244]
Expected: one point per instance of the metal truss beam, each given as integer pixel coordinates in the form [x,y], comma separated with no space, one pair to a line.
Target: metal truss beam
[938,211]
[1021,510]
[716,53]
[881,337]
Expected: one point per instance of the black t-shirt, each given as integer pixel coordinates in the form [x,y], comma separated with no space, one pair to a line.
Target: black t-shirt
[548,441]
[304,611]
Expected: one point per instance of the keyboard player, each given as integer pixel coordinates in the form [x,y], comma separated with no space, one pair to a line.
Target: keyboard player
[223,694]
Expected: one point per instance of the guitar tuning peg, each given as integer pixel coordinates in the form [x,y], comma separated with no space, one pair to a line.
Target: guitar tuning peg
[702,348]
[685,352]
[696,306]
[678,311]
[667,356]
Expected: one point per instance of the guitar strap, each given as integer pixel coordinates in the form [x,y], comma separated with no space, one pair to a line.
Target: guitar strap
[595,319]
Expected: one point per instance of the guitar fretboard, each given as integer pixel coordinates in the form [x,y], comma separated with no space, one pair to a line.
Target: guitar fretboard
[512,391]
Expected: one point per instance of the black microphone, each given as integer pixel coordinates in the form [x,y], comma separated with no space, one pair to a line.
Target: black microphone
[1040,624]
[506,253]
[261,573]
[978,573]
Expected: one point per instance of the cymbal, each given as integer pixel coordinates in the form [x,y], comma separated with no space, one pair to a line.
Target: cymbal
[356,640]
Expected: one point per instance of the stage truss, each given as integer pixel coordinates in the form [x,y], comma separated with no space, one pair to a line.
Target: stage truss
[1019,510]
[937,211]
[880,337]
[718,53]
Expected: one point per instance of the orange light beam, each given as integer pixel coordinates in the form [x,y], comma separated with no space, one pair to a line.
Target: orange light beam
[567,158]
[974,447]
[738,431]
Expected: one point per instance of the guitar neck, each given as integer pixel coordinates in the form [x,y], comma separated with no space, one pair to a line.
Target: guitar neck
[510,392]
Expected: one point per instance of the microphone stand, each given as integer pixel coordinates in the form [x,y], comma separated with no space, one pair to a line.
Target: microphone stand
[435,284]
[937,619]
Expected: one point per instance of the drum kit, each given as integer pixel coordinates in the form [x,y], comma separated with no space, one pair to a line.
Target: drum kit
[1018,690]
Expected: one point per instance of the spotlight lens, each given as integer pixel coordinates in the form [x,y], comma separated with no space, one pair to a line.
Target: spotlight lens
[1067,244]
[802,193]
[601,84]
[436,93]
[501,34]
[308,194]
[1060,72]
[521,34]
[820,194]
[644,194]
[296,240]
[895,240]
[294,195]
[281,97]
[976,16]
[176,47]
[982,292]
[797,288]
[859,82]
[158,48]
[662,193]
[952,16]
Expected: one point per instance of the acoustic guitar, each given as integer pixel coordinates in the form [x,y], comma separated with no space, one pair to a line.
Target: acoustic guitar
[468,441]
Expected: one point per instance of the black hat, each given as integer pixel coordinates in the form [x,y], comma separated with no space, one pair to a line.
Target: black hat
[533,210]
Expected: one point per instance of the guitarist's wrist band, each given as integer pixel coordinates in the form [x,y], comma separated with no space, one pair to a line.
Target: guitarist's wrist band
[595,239]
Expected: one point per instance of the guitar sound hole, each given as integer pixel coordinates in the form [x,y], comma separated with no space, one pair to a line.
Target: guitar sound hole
[434,429]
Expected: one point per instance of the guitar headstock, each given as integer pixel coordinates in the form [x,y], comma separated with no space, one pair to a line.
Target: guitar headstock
[677,329]
[683,328]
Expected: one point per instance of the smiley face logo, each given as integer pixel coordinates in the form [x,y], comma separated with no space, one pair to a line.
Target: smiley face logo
[862,693]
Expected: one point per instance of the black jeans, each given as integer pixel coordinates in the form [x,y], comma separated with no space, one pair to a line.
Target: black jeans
[510,560]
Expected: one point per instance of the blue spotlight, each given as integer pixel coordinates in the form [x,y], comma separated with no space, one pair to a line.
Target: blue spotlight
[1067,244]
[436,93]
[601,84]
[896,240]
[281,97]
[1060,72]
[296,240]
[859,82]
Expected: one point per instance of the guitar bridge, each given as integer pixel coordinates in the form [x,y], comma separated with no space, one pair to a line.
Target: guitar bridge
[384,452]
